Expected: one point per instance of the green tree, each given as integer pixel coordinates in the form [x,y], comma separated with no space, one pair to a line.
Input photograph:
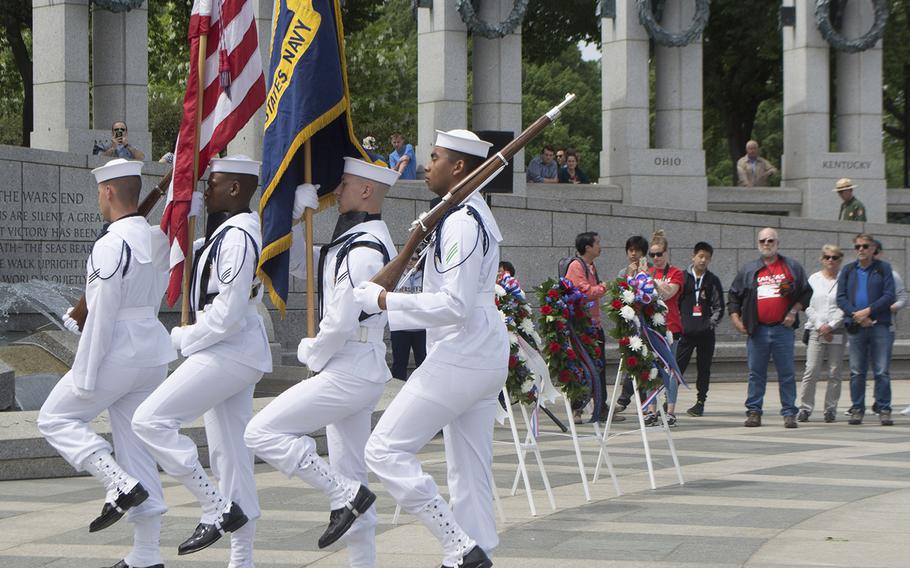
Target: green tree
[548,24]
[896,89]
[382,73]
[16,100]
[743,57]
[545,84]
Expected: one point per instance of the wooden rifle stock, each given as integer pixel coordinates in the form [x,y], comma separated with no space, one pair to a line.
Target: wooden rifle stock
[391,273]
[80,310]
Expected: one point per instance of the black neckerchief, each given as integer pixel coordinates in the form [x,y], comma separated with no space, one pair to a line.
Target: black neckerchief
[346,222]
[212,223]
[349,220]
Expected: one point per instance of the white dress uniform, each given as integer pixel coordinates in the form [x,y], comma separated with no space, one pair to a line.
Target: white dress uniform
[122,357]
[456,387]
[349,358]
[227,352]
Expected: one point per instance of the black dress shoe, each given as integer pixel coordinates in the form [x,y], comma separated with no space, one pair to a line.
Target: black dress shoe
[340,520]
[475,558]
[123,564]
[206,534]
[112,512]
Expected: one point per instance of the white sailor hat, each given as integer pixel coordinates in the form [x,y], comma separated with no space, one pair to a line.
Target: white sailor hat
[117,169]
[463,141]
[369,171]
[238,164]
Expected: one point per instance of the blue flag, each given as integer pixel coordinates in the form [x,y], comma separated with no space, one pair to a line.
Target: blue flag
[307,99]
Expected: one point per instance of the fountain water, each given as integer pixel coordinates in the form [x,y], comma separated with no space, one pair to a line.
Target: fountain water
[50,299]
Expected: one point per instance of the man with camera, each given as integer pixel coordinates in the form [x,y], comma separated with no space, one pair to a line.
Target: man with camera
[865,292]
[120,147]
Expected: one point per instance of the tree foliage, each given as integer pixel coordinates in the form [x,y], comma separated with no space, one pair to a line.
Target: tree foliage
[545,84]
[549,26]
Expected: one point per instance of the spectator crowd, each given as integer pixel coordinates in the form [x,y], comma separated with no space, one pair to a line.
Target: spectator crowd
[843,311]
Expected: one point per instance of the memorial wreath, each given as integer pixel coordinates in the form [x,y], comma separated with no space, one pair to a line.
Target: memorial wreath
[639,319]
[569,339]
[521,383]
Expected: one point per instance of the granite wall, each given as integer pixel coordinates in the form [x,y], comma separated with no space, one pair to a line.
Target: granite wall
[49,219]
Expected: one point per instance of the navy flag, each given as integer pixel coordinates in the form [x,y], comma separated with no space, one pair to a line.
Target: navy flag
[307,99]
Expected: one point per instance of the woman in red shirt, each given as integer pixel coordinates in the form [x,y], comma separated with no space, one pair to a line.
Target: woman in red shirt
[669,281]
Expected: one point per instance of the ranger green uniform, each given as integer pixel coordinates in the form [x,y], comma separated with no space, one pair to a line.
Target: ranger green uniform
[852,210]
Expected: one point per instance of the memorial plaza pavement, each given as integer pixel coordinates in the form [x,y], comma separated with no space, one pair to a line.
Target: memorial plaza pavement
[821,495]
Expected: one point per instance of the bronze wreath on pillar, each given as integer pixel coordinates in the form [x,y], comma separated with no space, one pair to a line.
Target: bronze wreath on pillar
[839,42]
[117,5]
[502,29]
[665,38]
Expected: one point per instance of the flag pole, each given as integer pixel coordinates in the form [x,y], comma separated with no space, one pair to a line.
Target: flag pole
[308,230]
[191,222]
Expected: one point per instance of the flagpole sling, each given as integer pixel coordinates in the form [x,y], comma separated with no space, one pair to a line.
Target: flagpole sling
[191,222]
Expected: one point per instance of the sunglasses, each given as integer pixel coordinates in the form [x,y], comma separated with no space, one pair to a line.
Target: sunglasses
[655,254]
[766,241]
[863,246]
[826,257]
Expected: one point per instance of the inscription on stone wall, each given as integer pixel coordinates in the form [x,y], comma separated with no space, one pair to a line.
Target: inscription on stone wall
[667,161]
[846,164]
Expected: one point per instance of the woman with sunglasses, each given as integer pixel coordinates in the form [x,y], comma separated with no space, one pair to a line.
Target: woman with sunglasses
[668,280]
[827,340]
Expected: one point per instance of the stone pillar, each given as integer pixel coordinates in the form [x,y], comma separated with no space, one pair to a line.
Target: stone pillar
[249,140]
[671,176]
[497,84]
[808,163]
[859,111]
[60,75]
[442,73]
[120,75]
[678,117]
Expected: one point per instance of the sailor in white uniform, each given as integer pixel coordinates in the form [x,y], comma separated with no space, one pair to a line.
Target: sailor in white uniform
[227,352]
[456,387]
[122,357]
[349,358]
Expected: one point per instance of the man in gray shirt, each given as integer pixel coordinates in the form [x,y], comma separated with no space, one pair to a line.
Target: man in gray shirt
[542,168]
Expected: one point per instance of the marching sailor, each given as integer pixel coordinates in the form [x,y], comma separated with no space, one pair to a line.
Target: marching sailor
[349,357]
[456,387]
[227,352]
[122,357]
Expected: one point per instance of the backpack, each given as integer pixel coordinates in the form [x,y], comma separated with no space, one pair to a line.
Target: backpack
[566,261]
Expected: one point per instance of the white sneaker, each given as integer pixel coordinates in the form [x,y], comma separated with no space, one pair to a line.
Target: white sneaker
[906,411]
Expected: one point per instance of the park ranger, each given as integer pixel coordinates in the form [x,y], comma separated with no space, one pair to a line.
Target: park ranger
[456,387]
[349,357]
[852,209]
[122,357]
[227,352]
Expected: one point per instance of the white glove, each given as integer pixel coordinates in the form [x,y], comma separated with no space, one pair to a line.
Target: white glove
[196,205]
[305,198]
[304,349]
[367,295]
[177,338]
[69,323]
[82,394]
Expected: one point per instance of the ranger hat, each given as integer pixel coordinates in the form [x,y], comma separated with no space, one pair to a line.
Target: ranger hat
[463,141]
[843,184]
[117,169]
[366,170]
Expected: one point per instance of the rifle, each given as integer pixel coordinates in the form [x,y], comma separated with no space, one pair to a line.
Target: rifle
[80,310]
[390,274]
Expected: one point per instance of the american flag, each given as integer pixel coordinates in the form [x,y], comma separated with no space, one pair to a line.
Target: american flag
[234,91]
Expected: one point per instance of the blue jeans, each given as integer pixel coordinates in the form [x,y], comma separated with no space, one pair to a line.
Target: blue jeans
[875,343]
[765,343]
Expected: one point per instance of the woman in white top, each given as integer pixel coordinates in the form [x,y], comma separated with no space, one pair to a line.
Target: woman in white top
[827,339]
